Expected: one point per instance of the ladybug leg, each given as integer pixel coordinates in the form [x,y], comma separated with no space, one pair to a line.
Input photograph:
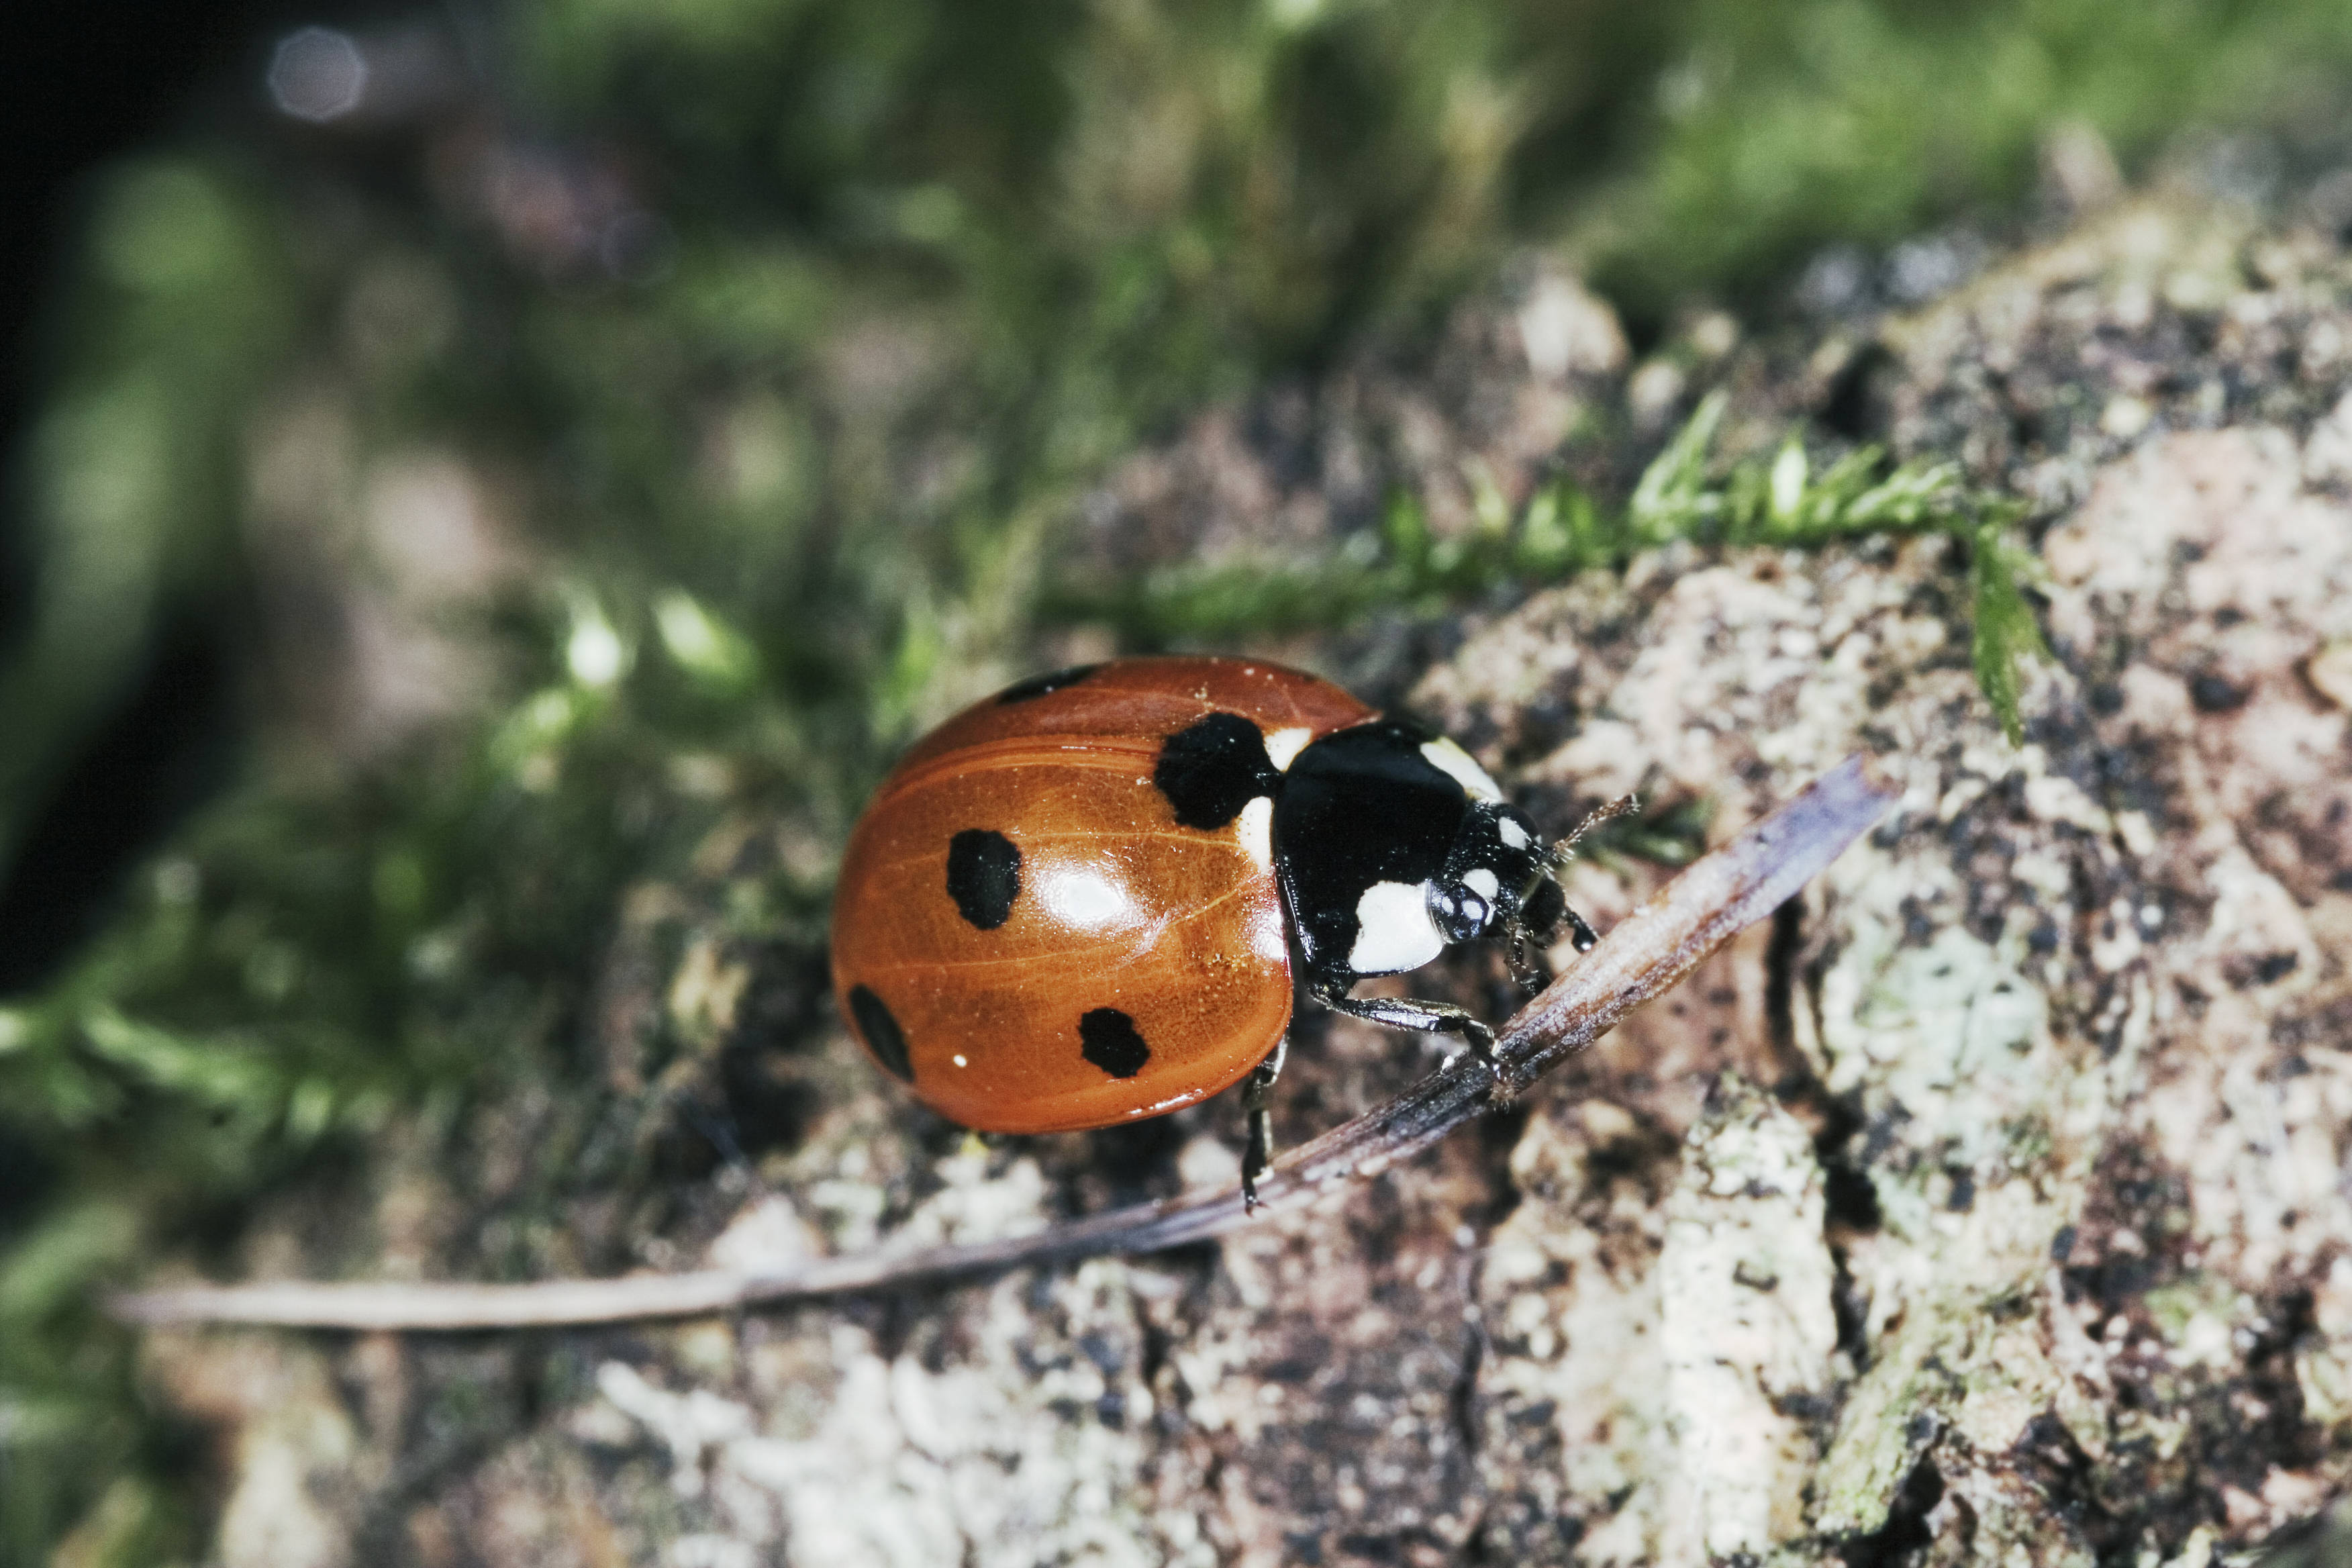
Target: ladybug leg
[1523,956]
[1580,934]
[1260,1148]
[1430,1018]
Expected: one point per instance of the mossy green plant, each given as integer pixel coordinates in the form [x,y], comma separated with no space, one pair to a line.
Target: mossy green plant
[1781,501]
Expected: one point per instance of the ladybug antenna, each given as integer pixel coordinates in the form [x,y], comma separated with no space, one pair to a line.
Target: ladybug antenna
[1563,850]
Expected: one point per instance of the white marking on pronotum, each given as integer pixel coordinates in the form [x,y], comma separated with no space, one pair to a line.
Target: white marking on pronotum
[1255,827]
[1283,746]
[1393,931]
[1447,757]
[1511,833]
[1481,883]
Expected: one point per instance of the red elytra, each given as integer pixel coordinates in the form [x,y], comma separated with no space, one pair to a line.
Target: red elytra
[1028,933]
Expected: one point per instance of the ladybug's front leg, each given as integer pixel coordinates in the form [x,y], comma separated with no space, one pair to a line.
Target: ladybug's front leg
[1430,1018]
[1260,1148]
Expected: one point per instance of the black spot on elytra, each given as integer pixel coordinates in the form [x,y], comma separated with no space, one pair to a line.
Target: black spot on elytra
[1038,685]
[984,876]
[1212,768]
[880,1031]
[1106,1038]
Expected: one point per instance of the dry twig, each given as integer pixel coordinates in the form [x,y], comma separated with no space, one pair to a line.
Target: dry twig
[1648,954]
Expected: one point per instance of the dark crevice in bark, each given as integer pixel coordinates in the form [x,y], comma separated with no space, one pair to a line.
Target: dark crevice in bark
[1464,1398]
[1781,960]
[2049,1456]
[1498,1135]
[1905,1531]
[1856,405]
[1850,1309]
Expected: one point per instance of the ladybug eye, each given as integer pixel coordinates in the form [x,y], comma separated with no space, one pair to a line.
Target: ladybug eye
[1460,912]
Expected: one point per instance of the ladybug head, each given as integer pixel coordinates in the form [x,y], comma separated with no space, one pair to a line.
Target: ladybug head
[1497,880]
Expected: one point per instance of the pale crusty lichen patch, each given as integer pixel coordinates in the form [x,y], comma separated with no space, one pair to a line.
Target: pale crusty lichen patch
[1745,1280]
[909,1460]
[1569,1297]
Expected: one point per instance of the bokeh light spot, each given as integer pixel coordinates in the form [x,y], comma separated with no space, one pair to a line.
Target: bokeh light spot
[318,74]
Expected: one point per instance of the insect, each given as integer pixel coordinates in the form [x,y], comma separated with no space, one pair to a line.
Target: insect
[1084,900]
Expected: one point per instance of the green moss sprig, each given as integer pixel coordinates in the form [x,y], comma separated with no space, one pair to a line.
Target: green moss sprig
[1781,501]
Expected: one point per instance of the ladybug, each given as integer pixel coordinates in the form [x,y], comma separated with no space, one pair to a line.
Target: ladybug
[1084,900]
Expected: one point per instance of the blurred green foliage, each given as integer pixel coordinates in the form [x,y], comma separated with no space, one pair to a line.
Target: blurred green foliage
[778,337]
[132,479]
[1783,126]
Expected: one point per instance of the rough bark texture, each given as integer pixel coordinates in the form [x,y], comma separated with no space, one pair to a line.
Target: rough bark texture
[1988,1206]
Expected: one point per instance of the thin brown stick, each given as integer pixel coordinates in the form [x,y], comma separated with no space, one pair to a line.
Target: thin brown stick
[1646,954]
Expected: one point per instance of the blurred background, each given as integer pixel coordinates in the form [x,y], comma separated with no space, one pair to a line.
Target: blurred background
[454,452]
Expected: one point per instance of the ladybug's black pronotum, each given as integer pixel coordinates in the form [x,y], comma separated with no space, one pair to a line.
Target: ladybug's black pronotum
[1083,899]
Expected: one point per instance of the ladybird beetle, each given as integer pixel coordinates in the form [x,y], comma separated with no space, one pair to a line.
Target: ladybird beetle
[1083,899]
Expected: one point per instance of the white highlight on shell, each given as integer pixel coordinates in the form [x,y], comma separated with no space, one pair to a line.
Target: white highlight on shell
[1393,931]
[1449,758]
[1086,898]
[1511,833]
[1269,937]
[1283,746]
[1481,883]
[1255,826]
[959,1061]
